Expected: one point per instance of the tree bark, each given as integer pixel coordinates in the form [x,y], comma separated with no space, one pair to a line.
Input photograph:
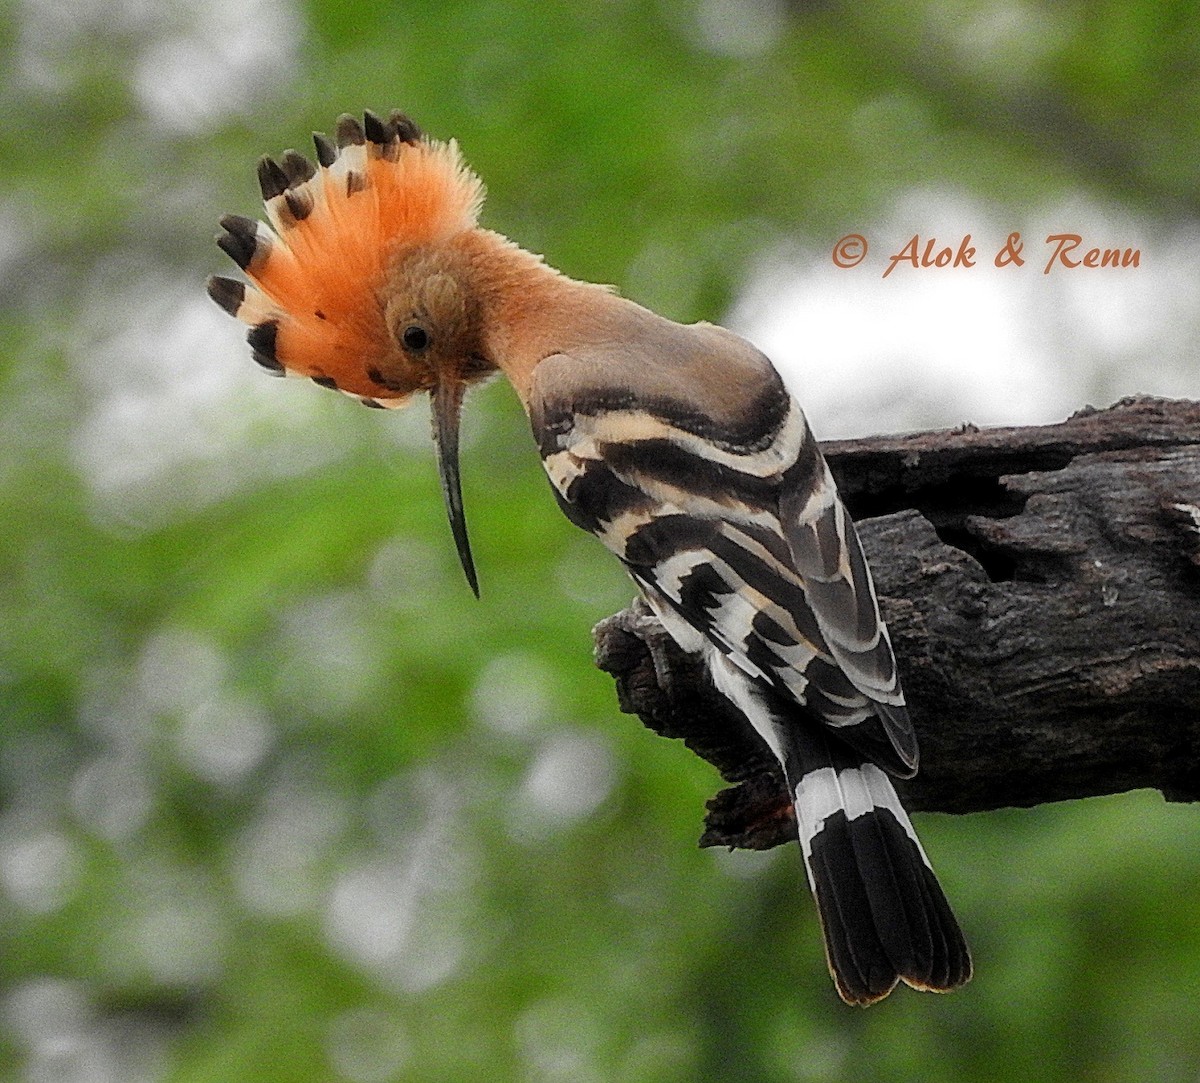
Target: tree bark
[1042,589]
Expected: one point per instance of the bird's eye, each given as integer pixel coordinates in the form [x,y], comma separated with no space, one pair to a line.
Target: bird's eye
[415,338]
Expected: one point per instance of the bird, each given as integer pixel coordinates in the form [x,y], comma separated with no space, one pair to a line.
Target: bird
[676,445]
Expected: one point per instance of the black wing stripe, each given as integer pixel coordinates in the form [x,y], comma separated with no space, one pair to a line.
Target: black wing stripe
[703,591]
[763,572]
[666,536]
[595,495]
[666,463]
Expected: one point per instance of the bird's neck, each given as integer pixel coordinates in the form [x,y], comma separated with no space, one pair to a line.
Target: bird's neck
[530,310]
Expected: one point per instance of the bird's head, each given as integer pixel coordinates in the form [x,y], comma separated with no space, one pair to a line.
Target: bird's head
[362,281]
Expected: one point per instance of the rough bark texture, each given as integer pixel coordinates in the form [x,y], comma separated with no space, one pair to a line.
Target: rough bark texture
[1042,587]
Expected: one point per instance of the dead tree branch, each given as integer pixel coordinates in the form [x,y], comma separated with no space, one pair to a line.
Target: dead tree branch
[1042,587]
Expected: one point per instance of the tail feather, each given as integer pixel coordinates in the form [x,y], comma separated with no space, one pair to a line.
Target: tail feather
[900,898]
[859,961]
[891,887]
[883,912]
[957,956]
[884,863]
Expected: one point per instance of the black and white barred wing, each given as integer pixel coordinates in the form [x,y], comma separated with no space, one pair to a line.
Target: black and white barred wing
[828,556]
[749,546]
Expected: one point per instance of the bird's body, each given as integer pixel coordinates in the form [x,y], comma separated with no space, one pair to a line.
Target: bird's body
[676,445]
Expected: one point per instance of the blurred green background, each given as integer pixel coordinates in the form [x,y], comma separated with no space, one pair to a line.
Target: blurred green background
[279,800]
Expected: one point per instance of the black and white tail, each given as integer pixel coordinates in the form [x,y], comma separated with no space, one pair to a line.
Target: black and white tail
[882,910]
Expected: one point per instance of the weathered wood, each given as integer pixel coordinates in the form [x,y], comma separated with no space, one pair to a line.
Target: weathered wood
[1042,587]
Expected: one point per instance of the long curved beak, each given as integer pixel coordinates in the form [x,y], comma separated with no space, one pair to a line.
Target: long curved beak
[447,397]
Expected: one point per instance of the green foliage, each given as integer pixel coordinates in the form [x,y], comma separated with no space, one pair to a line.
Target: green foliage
[278,799]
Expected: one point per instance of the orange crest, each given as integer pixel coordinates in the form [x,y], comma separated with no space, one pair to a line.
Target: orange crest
[317,310]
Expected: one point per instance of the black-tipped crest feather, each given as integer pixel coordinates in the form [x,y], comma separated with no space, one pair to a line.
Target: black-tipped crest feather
[407,130]
[326,151]
[240,239]
[298,169]
[271,178]
[349,132]
[227,292]
[376,130]
[262,345]
[299,203]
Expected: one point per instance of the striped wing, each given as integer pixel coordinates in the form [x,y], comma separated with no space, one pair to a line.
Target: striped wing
[828,556]
[747,543]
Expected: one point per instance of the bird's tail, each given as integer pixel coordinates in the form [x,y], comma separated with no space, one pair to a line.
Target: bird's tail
[883,912]
[318,271]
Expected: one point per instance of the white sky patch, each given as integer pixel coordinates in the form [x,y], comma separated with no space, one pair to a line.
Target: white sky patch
[280,863]
[179,670]
[220,733]
[398,911]
[1003,42]
[559,1039]
[378,916]
[112,796]
[571,775]
[179,939]
[224,739]
[739,28]
[192,65]
[217,60]
[42,1010]
[64,1039]
[587,574]
[16,233]
[171,926]
[331,658]
[746,864]
[40,866]
[176,414]
[935,347]
[514,694]
[49,33]
[406,574]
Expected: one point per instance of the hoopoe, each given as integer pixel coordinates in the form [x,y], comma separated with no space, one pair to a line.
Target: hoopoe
[677,446]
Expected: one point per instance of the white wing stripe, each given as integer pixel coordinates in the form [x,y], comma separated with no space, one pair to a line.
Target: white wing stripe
[564,467]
